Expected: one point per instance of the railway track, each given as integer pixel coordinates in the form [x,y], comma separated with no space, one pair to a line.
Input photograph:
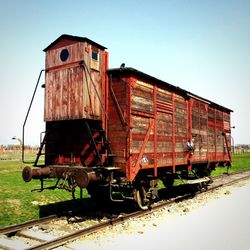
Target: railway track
[38,234]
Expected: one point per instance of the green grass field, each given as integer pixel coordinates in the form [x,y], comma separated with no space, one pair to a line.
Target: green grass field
[19,204]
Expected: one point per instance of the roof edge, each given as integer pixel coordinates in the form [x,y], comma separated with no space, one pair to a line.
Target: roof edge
[176,88]
[74,38]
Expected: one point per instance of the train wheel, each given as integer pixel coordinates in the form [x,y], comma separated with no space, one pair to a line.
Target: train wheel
[140,196]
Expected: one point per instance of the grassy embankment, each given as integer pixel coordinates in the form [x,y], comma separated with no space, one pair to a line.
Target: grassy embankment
[19,204]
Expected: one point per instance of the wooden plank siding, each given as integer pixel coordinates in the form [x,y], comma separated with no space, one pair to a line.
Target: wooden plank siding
[164,122]
[160,121]
[219,136]
[181,128]
[208,127]
[199,129]
[117,133]
[211,134]
[171,135]
[148,122]
[69,85]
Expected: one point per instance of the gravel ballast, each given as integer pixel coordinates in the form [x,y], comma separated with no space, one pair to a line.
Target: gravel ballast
[213,220]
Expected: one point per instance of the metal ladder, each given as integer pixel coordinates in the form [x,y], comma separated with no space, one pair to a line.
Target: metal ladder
[27,114]
[103,153]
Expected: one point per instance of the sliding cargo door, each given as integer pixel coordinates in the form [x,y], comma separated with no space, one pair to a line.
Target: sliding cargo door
[180,129]
[199,129]
[219,130]
[142,132]
[211,134]
[159,128]
[219,135]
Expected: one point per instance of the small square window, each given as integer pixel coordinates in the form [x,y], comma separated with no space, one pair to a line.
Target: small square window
[95,55]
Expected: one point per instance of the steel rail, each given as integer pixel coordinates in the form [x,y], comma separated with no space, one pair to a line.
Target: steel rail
[210,189]
[72,236]
[15,228]
[69,237]
[230,182]
[65,239]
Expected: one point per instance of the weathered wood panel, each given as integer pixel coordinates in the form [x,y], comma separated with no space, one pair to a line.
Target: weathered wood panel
[173,117]
[142,97]
[219,136]
[218,123]
[75,51]
[200,129]
[118,134]
[219,119]
[211,133]
[68,96]
[164,126]
[180,128]
[140,127]
[226,121]
[69,83]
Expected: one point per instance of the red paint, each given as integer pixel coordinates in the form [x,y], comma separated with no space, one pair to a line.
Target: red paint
[147,121]
[141,144]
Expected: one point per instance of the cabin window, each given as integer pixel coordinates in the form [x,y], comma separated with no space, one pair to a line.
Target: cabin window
[95,55]
[95,60]
[64,55]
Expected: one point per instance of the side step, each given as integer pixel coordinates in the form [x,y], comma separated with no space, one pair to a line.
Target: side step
[196,181]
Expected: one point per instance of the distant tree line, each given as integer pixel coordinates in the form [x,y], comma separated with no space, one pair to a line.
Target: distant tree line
[14,147]
[242,148]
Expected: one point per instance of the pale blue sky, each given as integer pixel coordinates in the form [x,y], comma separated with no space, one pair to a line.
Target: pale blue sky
[201,46]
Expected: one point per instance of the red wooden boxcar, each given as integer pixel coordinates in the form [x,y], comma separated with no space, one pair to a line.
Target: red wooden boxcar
[121,130]
[151,123]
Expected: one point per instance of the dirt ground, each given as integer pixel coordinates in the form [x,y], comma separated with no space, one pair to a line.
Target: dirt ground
[217,220]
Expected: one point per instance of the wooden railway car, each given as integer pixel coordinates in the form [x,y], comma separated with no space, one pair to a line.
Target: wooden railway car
[121,130]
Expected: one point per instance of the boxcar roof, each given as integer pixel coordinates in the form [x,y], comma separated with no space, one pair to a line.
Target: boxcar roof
[74,38]
[131,71]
